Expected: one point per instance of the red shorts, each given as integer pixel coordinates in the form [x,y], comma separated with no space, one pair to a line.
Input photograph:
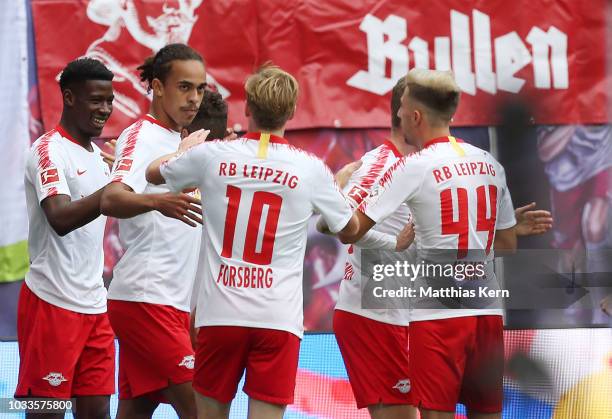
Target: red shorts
[568,206]
[458,360]
[269,356]
[63,353]
[154,347]
[376,358]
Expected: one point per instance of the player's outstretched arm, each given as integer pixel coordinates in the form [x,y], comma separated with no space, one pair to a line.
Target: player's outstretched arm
[531,221]
[359,225]
[119,200]
[153,172]
[505,241]
[341,178]
[65,215]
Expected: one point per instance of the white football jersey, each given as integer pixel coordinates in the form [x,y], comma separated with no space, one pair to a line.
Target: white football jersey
[458,197]
[258,196]
[161,253]
[374,164]
[65,271]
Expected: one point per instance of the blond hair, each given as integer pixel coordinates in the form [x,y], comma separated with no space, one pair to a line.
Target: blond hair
[271,95]
[436,90]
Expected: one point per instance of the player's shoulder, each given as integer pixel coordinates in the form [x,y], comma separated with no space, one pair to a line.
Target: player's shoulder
[45,144]
[305,159]
[376,155]
[47,137]
[296,155]
[480,152]
[136,129]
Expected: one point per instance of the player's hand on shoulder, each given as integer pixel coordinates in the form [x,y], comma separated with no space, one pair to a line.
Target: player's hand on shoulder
[193,139]
[531,221]
[405,237]
[181,206]
[230,135]
[343,175]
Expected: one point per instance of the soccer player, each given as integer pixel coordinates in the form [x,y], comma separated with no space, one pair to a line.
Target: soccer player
[66,344]
[259,193]
[149,296]
[458,196]
[385,390]
[379,337]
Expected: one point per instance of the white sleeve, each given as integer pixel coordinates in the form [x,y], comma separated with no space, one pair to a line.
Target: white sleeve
[357,189]
[327,199]
[187,169]
[47,169]
[377,240]
[133,157]
[505,214]
[399,184]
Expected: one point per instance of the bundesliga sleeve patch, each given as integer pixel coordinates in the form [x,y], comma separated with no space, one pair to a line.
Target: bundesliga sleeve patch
[49,177]
[357,194]
[124,165]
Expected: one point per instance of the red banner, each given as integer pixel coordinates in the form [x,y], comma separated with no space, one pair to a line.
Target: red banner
[346,54]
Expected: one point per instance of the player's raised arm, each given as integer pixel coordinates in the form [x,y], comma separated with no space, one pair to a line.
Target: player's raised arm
[532,221]
[186,171]
[346,177]
[123,198]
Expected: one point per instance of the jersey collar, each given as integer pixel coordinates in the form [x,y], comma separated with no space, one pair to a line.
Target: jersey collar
[273,138]
[155,121]
[446,139]
[69,137]
[393,148]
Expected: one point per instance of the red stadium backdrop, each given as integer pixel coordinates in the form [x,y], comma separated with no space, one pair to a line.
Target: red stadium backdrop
[346,54]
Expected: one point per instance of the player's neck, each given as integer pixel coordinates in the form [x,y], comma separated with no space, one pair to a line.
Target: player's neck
[77,135]
[435,132]
[157,112]
[253,127]
[398,140]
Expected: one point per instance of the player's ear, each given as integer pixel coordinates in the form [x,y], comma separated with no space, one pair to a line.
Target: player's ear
[158,88]
[417,117]
[68,97]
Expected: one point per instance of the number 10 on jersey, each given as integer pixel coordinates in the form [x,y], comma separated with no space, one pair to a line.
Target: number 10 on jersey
[261,199]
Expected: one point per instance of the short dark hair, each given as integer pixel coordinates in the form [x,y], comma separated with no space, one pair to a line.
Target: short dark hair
[83,69]
[396,101]
[212,115]
[158,66]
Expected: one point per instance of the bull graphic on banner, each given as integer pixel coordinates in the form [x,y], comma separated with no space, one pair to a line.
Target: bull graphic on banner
[124,19]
